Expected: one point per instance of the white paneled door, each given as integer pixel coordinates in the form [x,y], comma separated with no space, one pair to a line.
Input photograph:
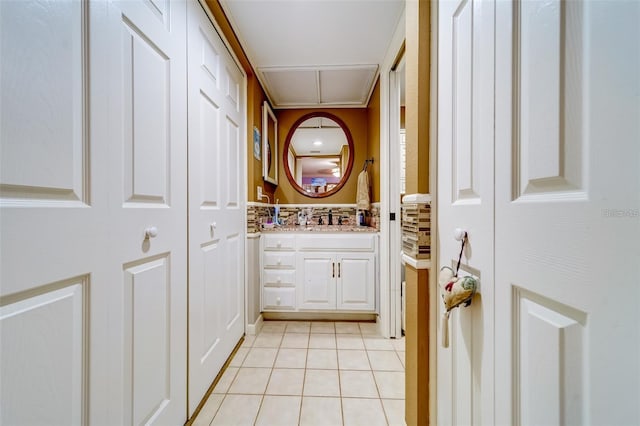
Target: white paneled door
[52,210]
[94,214]
[465,201]
[146,132]
[216,203]
[552,337]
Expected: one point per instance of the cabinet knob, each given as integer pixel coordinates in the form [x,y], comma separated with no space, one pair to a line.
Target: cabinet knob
[279,280]
[279,261]
[278,300]
[279,244]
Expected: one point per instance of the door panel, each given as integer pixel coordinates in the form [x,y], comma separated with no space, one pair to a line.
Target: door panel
[548,89]
[146,118]
[146,135]
[147,333]
[43,359]
[50,208]
[566,158]
[216,209]
[55,143]
[562,330]
[465,200]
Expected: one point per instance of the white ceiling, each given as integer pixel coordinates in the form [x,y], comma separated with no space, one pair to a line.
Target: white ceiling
[315,53]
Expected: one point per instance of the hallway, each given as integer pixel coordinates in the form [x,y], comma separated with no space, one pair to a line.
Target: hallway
[311,373]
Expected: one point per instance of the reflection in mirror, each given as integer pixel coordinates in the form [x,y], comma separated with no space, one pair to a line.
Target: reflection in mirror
[318,156]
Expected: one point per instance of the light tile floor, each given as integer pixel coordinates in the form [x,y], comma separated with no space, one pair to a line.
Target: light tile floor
[311,373]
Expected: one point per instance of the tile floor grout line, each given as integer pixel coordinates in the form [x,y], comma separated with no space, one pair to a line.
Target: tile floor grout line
[305,369]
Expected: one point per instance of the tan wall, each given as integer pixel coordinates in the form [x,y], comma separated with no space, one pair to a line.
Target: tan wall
[417,400]
[373,142]
[356,120]
[254,167]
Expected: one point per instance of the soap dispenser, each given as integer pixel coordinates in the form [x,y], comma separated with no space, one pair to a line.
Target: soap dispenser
[276,212]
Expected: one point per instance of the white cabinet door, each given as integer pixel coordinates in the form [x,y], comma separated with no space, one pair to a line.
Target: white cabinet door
[216,203]
[356,281]
[317,281]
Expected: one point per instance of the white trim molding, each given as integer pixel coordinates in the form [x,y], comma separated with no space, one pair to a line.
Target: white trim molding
[417,199]
[255,328]
[416,263]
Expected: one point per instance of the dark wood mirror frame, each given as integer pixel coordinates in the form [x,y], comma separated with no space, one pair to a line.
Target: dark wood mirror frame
[287,143]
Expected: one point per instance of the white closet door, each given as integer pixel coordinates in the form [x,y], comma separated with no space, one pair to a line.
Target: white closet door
[52,211]
[465,201]
[216,203]
[147,139]
[567,213]
[558,326]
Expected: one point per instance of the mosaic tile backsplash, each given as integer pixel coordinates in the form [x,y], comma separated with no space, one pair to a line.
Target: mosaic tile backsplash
[257,214]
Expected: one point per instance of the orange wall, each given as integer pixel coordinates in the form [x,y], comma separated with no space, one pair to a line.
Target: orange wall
[373,142]
[254,169]
[356,120]
[364,124]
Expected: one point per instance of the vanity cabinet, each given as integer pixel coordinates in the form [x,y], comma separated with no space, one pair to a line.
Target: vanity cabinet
[319,272]
[278,276]
[345,281]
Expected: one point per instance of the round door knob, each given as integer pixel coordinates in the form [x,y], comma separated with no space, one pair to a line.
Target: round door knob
[151,232]
[459,234]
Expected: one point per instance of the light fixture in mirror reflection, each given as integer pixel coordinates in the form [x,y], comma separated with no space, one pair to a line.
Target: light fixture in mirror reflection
[319,154]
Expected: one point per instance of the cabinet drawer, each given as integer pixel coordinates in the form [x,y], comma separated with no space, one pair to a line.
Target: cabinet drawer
[279,277]
[279,242]
[279,298]
[335,242]
[278,259]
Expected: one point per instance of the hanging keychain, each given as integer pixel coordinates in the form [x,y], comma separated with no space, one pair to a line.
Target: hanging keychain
[455,292]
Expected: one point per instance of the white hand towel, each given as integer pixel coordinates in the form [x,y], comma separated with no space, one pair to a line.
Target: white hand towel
[362,194]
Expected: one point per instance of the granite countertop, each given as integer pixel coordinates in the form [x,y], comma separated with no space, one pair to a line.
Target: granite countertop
[320,228]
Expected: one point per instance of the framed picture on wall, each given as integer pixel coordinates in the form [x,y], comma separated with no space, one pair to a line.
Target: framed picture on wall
[257,144]
[269,145]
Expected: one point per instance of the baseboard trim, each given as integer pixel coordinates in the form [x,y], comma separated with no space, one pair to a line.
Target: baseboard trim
[319,316]
[254,329]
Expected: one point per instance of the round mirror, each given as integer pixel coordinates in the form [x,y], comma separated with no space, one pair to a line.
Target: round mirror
[318,154]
